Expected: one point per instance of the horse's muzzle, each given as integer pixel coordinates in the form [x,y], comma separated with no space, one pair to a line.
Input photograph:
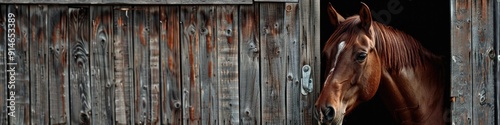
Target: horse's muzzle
[324,114]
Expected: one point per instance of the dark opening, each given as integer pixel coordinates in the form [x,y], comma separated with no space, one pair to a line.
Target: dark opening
[426,20]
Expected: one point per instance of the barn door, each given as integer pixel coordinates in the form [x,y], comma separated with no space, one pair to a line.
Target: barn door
[474,63]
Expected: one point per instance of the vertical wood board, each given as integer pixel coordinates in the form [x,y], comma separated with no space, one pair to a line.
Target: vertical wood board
[141,65]
[170,65]
[101,43]
[189,63]
[17,64]
[228,65]
[38,65]
[273,62]
[3,56]
[249,70]
[293,68]
[79,66]
[58,65]
[208,65]
[483,91]
[154,59]
[123,62]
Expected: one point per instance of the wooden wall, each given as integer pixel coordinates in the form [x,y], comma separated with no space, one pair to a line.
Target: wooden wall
[474,64]
[168,64]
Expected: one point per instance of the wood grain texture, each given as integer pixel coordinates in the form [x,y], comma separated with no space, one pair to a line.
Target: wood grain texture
[58,65]
[190,67]
[141,65]
[310,54]
[38,65]
[273,60]
[101,44]
[461,80]
[249,65]
[18,84]
[228,65]
[79,66]
[293,67]
[170,66]
[123,62]
[287,1]
[3,63]
[208,65]
[483,61]
[154,60]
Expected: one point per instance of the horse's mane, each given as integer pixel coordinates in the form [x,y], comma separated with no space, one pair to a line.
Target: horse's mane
[395,48]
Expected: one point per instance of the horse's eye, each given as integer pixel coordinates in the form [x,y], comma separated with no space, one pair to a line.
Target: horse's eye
[361,56]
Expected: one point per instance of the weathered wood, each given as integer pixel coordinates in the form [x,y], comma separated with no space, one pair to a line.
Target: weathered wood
[141,65]
[17,64]
[58,65]
[208,66]
[170,65]
[101,44]
[310,54]
[3,54]
[287,1]
[38,65]
[123,62]
[154,60]
[79,66]
[131,1]
[190,68]
[227,46]
[273,62]
[483,59]
[461,81]
[249,65]
[293,68]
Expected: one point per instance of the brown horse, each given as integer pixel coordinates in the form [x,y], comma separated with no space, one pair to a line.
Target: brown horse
[364,56]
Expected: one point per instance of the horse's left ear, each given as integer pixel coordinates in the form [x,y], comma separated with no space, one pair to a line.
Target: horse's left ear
[366,17]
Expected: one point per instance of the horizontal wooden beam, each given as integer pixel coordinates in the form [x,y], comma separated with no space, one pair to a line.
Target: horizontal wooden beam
[156,2]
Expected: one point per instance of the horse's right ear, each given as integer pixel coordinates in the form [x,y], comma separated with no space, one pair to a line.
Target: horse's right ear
[335,18]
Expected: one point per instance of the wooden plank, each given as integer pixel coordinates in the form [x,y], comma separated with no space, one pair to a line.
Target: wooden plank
[79,66]
[58,65]
[227,46]
[284,1]
[123,62]
[141,65]
[3,53]
[17,65]
[249,65]
[60,1]
[293,67]
[273,62]
[154,59]
[483,59]
[135,2]
[101,44]
[461,81]
[190,71]
[310,54]
[208,66]
[38,65]
[170,65]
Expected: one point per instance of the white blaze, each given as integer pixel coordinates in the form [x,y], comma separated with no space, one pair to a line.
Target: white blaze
[339,50]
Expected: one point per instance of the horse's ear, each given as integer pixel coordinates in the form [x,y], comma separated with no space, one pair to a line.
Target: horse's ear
[335,18]
[366,17]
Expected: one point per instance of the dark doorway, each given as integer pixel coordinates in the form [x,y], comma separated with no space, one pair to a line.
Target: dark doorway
[427,21]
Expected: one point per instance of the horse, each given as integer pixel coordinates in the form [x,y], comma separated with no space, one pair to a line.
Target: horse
[364,57]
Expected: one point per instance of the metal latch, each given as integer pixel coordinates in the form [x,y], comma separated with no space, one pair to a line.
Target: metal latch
[307,83]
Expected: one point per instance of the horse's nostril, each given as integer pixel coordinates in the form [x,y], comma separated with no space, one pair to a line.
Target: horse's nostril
[329,113]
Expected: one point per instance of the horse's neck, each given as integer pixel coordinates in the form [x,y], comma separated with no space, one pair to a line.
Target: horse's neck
[414,95]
